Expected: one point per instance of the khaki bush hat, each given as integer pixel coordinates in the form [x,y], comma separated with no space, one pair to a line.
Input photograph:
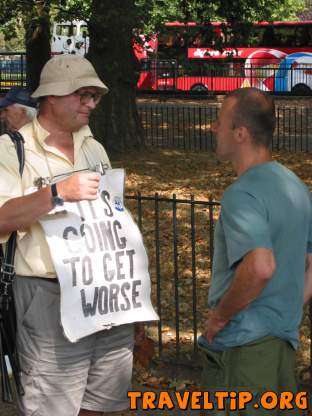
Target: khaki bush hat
[65,74]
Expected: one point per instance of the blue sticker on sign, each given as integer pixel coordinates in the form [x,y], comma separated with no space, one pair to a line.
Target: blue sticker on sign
[118,204]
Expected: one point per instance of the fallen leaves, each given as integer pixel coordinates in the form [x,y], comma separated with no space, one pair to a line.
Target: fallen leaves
[144,352]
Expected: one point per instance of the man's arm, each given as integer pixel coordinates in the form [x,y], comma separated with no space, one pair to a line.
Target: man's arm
[251,276]
[308,278]
[18,213]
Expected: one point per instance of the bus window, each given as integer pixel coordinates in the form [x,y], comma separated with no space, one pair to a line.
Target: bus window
[303,35]
[165,43]
[207,36]
[267,36]
[66,30]
[286,35]
[273,36]
[84,32]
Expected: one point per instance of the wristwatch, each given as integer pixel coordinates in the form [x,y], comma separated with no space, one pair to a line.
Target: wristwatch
[57,200]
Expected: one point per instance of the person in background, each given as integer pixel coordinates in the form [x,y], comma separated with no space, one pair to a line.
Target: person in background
[17,108]
[262,265]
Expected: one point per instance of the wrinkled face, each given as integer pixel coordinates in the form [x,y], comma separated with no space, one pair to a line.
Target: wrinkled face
[13,117]
[223,129]
[73,110]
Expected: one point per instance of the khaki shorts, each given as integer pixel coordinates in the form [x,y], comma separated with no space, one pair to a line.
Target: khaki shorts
[60,377]
[267,364]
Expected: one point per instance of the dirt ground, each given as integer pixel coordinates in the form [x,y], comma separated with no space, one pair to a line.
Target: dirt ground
[216,100]
[183,373]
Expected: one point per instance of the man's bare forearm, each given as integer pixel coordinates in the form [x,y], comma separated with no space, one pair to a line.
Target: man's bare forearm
[20,212]
[251,276]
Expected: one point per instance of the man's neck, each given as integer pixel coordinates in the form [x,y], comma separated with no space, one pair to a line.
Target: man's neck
[248,160]
[59,137]
[53,127]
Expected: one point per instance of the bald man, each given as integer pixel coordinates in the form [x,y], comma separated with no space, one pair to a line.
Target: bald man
[262,262]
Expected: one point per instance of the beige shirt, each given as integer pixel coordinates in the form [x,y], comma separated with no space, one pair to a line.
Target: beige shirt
[33,256]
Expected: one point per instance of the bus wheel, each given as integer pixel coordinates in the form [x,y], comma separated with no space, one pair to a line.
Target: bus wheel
[301,89]
[199,88]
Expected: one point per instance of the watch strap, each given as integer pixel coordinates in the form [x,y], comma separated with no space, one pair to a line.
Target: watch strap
[56,199]
[54,190]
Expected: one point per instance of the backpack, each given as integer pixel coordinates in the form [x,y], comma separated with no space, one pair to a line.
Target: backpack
[7,307]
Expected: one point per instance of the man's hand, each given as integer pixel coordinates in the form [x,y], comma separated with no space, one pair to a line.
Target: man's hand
[80,186]
[251,276]
[213,325]
[18,213]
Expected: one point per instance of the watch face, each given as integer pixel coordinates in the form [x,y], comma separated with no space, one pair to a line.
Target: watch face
[57,200]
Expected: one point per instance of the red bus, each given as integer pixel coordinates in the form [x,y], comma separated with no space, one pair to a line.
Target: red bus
[190,57]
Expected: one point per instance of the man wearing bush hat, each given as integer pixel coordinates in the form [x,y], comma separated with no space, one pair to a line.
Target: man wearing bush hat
[17,108]
[92,375]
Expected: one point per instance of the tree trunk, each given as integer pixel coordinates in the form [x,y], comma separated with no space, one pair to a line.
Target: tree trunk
[38,49]
[115,123]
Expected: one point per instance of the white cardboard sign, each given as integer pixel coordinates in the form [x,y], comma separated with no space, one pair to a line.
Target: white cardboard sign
[101,262]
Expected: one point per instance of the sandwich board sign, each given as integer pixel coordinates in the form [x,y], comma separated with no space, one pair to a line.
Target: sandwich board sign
[100,260]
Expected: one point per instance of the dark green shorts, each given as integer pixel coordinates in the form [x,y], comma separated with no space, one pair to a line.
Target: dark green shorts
[266,365]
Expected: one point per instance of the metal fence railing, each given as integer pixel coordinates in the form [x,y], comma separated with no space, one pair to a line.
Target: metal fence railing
[290,75]
[12,70]
[178,234]
[178,126]
[189,127]
[219,76]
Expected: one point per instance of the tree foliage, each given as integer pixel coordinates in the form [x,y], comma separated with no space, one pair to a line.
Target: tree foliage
[110,26]
[151,14]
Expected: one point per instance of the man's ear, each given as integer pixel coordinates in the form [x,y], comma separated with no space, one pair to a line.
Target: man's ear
[51,99]
[240,134]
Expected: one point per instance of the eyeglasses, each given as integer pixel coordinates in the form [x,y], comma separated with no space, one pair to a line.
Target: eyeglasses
[86,96]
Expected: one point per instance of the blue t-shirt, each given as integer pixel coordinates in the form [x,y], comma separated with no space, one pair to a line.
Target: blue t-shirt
[267,207]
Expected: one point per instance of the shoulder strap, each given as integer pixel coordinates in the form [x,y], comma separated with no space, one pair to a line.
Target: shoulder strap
[18,141]
[7,258]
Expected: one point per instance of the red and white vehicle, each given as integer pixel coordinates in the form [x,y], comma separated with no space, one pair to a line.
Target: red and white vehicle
[274,56]
[70,37]
[185,58]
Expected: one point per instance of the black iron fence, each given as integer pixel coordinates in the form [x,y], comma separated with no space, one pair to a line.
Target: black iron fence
[196,75]
[178,234]
[218,76]
[12,70]
[189,126]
